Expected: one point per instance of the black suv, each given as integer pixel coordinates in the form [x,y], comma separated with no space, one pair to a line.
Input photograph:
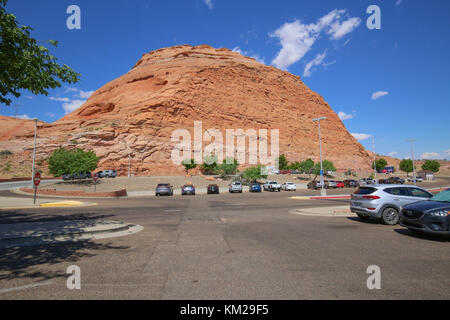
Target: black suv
[77,176]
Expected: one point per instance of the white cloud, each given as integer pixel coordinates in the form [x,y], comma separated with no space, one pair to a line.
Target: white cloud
[85,94]
[392,154]
[344,116]
[209,3]
[379,94]
[297,39]
[29,97]
[49,114]
[314,62]
[23,117]
[447,153]
[338,30]
[59,99]
[430,155]
[72,105]
[398,2]
[361,136]
[249,54]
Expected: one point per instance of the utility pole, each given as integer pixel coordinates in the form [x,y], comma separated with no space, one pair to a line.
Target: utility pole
[323,192]
[374,159]
[412,155]
[34,152]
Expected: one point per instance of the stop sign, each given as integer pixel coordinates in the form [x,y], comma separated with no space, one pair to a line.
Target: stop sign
[37,179]
[95,178]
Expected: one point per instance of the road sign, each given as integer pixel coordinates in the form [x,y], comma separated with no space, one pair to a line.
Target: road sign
[95,178]
[37,179]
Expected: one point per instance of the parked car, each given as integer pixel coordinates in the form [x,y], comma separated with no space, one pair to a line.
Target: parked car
[285,172]
[77,176]
[340,184]
[188,189]
[295,172]
[385,201]
[314,185]
[330,184]
[164,189]
[351,183]
[255,187]
[107,174]
[235,186]
[289,186]
[212,188]
[272,186]
[397,180]
[366,181]
[429,216]
[418,179]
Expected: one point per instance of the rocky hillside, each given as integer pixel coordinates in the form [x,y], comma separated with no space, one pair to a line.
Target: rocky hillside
[170,88]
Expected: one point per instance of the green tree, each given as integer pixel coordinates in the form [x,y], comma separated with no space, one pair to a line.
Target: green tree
[210,164]
[294,166]
[282,162]
[431,165]
[380,164]
[327,166]
[406,165]
[306,166]
[229,166]
[254,173]
[25,64]
[63,161]
[188,164]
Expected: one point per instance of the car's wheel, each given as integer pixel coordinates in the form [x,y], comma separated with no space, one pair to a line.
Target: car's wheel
[363,217]
[390,216]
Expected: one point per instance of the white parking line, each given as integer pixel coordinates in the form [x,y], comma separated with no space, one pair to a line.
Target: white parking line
[34,285]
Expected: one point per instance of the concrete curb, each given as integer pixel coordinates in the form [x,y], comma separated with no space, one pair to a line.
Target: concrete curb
[341,211]
[119,229]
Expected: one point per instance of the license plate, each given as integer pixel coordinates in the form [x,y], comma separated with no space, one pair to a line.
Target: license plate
[357,204]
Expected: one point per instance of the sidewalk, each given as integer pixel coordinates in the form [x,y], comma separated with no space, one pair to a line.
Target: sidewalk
[27,203]
[336,211]
[37,233]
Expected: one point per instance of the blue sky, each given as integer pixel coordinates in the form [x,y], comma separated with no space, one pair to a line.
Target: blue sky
[392,84]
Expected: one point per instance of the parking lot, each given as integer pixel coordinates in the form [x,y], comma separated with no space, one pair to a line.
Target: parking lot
[227,246]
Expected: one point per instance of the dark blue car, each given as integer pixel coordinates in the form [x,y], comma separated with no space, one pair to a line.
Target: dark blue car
[255,187]
[430,216]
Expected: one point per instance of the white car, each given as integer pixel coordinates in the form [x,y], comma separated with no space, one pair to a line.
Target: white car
[272,186]
[289,186]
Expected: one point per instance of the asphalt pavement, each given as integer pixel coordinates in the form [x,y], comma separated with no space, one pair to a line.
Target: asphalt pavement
[227,246]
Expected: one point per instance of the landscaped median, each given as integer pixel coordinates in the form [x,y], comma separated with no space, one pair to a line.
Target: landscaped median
[76,193]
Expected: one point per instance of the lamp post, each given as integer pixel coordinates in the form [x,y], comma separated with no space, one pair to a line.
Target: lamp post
[412,155]
[129,158]
[34,152]
[323,192]
[374,160]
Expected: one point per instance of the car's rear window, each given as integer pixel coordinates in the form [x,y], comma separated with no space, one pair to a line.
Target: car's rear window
[163,185]
[365,190]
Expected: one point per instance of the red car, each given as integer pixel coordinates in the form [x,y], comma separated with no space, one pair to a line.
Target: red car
[340,184]
[285,172]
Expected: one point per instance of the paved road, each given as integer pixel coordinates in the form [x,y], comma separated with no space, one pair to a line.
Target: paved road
[228,246]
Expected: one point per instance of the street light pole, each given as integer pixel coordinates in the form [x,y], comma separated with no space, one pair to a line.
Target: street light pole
[412,155]
[34,152]
[322,190]
[374,160]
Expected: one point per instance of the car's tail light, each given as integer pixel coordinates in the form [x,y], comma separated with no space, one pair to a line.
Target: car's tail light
[371,197]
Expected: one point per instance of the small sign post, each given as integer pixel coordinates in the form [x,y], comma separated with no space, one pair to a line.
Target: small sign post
[36,182]
[95,178]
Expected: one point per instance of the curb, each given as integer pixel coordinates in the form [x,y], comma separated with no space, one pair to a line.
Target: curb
[57,237]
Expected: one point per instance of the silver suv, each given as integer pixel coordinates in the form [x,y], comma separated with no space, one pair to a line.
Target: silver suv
[385,201]
[235,186]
